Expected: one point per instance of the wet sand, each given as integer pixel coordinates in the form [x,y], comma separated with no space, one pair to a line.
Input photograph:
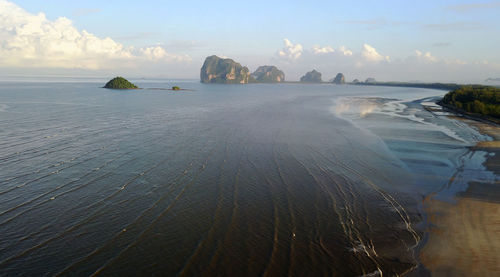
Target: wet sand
[464,236]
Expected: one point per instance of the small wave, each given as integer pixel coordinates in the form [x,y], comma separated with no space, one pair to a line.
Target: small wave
[356,108]
[401,110]
[375,273]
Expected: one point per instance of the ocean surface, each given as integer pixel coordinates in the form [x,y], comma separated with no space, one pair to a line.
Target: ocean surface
[225,180]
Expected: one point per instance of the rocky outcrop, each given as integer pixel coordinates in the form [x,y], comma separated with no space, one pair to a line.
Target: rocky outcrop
[120,83]
[370,80]
[268,74]
[355,81]
[224,71]
[339,79]
[311,77]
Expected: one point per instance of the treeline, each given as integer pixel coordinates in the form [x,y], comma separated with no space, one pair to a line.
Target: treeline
[443,86]
[483,100]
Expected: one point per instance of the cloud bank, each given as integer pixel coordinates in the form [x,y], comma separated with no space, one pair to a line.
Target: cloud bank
[31,43]
[292,51]
[368,61]
[323,50]
[31,40]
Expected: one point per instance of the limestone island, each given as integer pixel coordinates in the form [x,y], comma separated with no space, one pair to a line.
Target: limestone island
[268,74]
[339,79]
[224,71]
[120,83]
[311,77]
[370,80]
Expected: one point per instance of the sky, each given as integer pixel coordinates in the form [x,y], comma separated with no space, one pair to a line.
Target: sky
[442,41]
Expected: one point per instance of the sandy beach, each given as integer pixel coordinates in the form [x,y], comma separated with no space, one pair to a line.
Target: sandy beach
[464,236]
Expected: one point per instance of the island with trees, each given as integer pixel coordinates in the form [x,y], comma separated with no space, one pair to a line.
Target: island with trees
[120,83]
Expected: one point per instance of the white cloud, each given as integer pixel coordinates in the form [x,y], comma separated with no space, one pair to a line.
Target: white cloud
[367,61]
[370,54]
[159,53]
[323,50]
[293,51]
[290,51]
[425,56]
[345,51]
[31,40]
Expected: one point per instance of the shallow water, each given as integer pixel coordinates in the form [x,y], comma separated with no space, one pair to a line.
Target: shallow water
[231,180]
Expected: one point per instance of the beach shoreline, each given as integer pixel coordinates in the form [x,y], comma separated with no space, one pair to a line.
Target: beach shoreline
[468,115]
[462,236]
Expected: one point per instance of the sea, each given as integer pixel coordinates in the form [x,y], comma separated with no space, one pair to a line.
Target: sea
[227,180]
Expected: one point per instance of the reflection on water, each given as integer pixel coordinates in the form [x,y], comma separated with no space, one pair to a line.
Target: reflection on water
[361,106]
[223,180]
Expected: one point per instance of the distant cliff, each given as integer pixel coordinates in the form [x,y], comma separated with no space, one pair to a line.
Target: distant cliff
[311,77]
[224,71]
[339,79]
[268,74]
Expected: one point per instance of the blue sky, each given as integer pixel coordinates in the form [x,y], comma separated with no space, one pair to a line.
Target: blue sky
[456,39]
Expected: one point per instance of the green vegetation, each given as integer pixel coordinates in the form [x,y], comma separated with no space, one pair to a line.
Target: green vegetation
[470,99]
[120,83]
[475,99]
[176,88]
[443,86]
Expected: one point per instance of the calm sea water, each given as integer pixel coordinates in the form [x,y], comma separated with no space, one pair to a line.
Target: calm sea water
[221,180]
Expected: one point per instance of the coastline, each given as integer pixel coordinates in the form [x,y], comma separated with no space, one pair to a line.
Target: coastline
[471,116]
[485,127]
[440,86]
[463,234]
